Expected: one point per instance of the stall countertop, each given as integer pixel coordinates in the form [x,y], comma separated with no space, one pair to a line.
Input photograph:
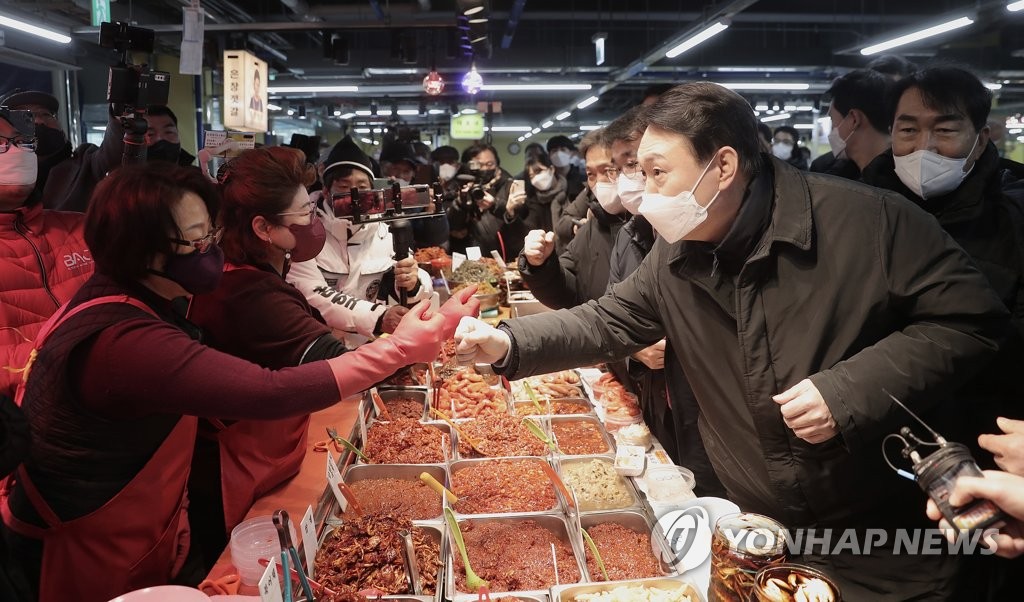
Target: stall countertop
[305,488]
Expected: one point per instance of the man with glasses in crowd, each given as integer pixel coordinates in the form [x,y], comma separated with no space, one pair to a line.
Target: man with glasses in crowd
[66,179]
[581,272]
[43,255]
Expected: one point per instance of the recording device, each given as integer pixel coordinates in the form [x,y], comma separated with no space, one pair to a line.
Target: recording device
[388,204]
[468,199]
[938,472]
[131,88]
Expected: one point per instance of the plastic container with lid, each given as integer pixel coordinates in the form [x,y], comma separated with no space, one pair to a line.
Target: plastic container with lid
[635,434]
[672,484]
[614,422]
[251,541]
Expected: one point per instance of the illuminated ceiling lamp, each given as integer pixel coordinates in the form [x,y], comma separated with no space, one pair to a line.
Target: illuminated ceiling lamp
[472,82]
[433,83]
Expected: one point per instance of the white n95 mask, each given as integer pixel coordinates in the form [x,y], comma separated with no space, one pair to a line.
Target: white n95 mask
[673,217]
[929,174]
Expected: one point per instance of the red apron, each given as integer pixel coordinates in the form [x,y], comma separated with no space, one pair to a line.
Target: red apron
[139,538]
[256,455]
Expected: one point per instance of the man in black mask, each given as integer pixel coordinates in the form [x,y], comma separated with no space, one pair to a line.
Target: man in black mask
[162,141]
[66,179]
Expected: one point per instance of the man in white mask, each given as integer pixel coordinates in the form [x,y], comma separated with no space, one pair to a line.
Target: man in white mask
[785,143]
[580,273]
[793,301]
[564,156]
[43,256]
[355,282]
[860,124]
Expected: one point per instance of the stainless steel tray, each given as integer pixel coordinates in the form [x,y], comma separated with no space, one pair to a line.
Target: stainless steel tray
[568,593]
[517,403]
[555,524]
[635,502]
[437,425]
[456,466]
[439,533]
[633,520]
[408,472]
[412,371]
[417,393]
[540,421]
[508,406]
[532,596]
[590,420]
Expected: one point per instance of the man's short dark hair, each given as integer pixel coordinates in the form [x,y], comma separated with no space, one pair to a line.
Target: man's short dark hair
[130,219]
[470,153]
[765,131]
[948,89]
[560,142]
[865,90]
[709,116]
[158,110]
[788,129]
[445,154]
[892,65]
[628,127]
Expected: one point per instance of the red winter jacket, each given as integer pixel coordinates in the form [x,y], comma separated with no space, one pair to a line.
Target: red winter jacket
[43,262]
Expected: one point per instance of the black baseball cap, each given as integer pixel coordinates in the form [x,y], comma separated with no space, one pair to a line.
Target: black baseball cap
[22,98]
[23,121]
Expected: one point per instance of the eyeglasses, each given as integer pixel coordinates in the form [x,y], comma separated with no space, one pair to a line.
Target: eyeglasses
[311,211]
[23,142]
[44,116]
[631,170]
[202,244]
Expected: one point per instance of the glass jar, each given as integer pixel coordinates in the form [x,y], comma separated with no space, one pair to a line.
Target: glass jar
[790,582]
[742,545]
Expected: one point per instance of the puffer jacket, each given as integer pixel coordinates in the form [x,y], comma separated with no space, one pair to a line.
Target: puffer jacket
[43,262]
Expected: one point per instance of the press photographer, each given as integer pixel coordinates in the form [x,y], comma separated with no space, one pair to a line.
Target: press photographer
[480,216]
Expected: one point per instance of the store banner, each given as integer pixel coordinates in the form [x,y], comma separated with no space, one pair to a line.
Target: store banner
[245,92]
[467,127]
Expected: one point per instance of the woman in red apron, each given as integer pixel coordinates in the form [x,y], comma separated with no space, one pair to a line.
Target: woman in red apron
[118,379]
[256,315]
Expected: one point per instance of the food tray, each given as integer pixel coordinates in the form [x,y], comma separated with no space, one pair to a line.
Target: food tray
[590,420]
[439,533]
[457,455]
[636,503]
[519,392]
[389,393]
[408,472]
[516,404]
[635,521]
[568,593]
[412,371]
[538,596]
[461,464]
[443,427]
[504,394]
[555,524]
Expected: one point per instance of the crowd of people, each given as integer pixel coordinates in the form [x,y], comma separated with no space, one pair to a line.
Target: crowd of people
[155,320]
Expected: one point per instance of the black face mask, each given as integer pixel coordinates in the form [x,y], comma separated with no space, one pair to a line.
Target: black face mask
[163,151]
[485,175]
[196,272]
[51,144]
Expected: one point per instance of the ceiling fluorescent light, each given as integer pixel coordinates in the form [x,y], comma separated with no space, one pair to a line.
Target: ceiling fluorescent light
[547,124]
[586,103]
[310,89]
[992,86]
[705,35]
[536,87]
[362,130]
[1015,6]
[563,115]
[917,35]
[804,126]
[408,112]
[778,117]
[366,141]
[437,111]
[589,128]
[765,86]
[535,131]
[349,115]
[35,30]
[511,128]
[761,107]
[273,107]
[472,11]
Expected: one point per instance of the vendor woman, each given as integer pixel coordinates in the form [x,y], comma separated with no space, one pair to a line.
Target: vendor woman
[113,395]
[269,224]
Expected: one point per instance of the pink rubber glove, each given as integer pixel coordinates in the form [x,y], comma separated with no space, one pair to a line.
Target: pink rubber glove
[417,339]
[460,305]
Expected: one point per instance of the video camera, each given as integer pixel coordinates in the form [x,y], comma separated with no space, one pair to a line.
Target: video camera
[469,197]
[131,88]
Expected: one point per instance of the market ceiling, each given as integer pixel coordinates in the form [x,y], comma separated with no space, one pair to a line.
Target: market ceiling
[385,48]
